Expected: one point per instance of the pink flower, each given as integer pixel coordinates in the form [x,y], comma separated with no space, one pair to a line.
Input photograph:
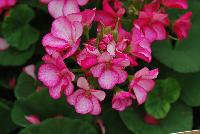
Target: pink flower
[55,75]
[152,25]
[142,83]
[3,44]
[64,37]
[58,8]
[33,119]
[109,16]
[86,100]
[121,100]
[182,26]
[140,46]
[6,4]
[181,4]
[30,70]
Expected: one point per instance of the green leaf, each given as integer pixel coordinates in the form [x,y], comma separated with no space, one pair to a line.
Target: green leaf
[113,123]
[179,119]
[25,85]
[60,126]
[6,124]
[12,57]
[43,106]
[16,28]
[165,92]
[184,58]
[190,84]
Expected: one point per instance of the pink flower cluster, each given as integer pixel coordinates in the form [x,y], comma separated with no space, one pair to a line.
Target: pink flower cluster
[106,58]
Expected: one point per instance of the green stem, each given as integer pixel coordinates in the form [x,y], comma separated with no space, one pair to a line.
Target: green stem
[173,38]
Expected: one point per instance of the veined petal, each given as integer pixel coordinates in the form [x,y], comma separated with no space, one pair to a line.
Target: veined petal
[49,75]
[140,94]
[98,69]
[82,2]
[83,83]
[96,106]
[70,6]
[99,94]
[55,8]
[83,105]
[108,79]
[72,98]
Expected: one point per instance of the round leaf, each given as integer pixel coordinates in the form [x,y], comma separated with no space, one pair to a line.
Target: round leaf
[25,85]
[165,92]
[184,57]
[16,28]
[40,104]
[60,126]
[179,119]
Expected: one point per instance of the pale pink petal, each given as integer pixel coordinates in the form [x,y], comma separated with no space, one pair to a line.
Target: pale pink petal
[70,6]
[72,98]
[69,88]
[30,70]
[99,94]
[3,44]
[49,75]
[146,84]
[55,8]
[96,106]
[111,48]
[77,30]
[142,72]
[140,94]
[98,69]
[108,79]
[82,2]
[62,28]
[33,119]
[83,83]
[83,105]
[75,17]
[55,92]
[104,57]
[52,41]
[123,75]
[150,34]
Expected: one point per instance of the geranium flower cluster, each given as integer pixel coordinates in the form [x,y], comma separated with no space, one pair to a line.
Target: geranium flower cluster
[104,60]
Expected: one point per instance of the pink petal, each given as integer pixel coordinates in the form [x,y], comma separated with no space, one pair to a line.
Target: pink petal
[55,8]
[62,28]
[69,89]
[100,95]
[151,74]
[49,75]
[105,18]
[160,31]
[108,79]
[150,34]
[98,69]
[111,48]
[88,16]
[142,72]
[45,1]
[83,83]
[3,44]
[52,41]
[33,119]
[55,92]
[104,57]
[83,105]
[146,84]
[140,94]
[96,106]
[82,2]
[30,70]
[123,75]
[72,50]
[72,98]
[75,17]
[70,6]
[77,30]
[88,62]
